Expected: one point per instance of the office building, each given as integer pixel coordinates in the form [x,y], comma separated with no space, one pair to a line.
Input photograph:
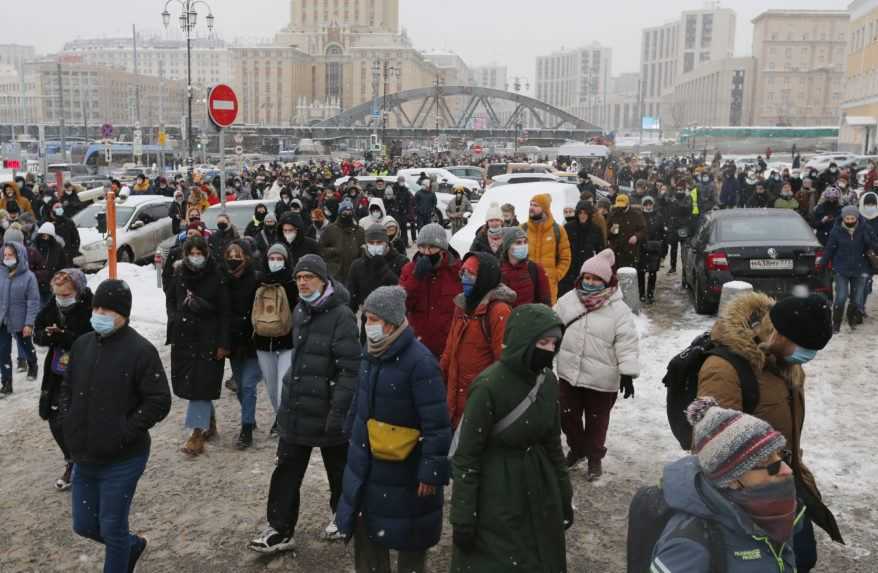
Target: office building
[576,80]
[859,107]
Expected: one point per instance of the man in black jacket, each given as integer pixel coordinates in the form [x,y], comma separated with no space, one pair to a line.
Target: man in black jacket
[404,209]
[114,391]
[317,392]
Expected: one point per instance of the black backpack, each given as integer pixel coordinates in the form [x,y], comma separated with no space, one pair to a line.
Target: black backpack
[648,515]
[681,381]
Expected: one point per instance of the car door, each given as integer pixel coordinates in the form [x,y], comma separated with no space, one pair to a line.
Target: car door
[695,252]
[159,228]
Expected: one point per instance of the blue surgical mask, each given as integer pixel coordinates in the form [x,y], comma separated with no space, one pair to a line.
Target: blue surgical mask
[519,252]
[588,288]
[801,356]
[311,297]
[469,284]
[103,324]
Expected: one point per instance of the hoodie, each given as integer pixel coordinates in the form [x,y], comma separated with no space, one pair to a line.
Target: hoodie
[870,212]
[368,220]
[19,292]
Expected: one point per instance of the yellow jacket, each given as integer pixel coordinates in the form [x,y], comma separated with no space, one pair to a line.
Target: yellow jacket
[548,245]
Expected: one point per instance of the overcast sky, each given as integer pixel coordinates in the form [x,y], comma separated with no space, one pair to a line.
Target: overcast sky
[512,32]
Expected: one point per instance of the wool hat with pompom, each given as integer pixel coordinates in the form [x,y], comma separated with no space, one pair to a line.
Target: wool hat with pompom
[600,265]
[494,212]
[729,443]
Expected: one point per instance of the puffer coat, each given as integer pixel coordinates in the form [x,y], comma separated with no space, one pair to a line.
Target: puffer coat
[19,293]
[430,300]
[597,347]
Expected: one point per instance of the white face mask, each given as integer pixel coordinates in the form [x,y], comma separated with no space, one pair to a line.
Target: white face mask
[59,211]
[375,250]
[10,263]
[275,265]
[290,237]
[375,332]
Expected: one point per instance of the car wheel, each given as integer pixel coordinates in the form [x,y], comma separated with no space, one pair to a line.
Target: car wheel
[125,255]
[702,306]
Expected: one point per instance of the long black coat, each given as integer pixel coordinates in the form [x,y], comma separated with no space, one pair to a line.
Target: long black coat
[319,386]
[52,259]
[340,245]
[242,293]
[114,391]
[585,242]
[73,323]
[198,326]
[369,273]
[66,229]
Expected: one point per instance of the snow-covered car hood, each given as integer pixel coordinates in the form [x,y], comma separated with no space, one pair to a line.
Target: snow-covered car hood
[90,235]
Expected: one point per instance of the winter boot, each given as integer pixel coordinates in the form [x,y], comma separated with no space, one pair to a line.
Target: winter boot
[6,389]
[572,459]
[837,317]
[594,470]
[210,433]
[32,371]
[194,446]
[22,365]
[245,438]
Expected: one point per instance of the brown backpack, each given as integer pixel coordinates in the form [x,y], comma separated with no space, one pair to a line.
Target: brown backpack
[272,317]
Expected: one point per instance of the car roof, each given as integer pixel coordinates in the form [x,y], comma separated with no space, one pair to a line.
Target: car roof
[745,213]
[247,203]
[136,201]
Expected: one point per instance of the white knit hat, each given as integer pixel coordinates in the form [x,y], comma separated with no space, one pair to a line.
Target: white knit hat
[494,212]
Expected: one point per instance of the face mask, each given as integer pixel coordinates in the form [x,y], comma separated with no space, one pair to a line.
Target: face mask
[870,211]
[103,324]
[234,264]
[375,332]
[59,211]
[346,216]
[375,215]
[833,170]
[375,250]
[469,285]
[851,225]
[47,199]
[434,259]
[311,297]
[778,497]
[286,199]
[10,263]
[537,217]
[260,215]
[519,252]
[197,261]
[589,289]
[842,185]
[801,356]
[290,237]
[541,359]
[222,226]
[65,302]
[648,210]
[495,232]
[275,265]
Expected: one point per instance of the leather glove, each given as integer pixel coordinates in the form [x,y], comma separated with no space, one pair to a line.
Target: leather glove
[423,267]
[626,386]
[568,517]
[464,538]
[198,305]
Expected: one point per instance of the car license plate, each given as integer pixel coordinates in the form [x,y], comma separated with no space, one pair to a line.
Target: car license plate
[771,264]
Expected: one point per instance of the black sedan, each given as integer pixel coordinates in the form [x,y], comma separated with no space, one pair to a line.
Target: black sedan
[772,249]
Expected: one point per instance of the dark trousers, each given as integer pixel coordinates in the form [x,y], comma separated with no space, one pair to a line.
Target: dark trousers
[102,495]
[58,433]
[286,481]
[585,417]
[674,243]
[424,219]
[643,288]
[407,229]
[370,557]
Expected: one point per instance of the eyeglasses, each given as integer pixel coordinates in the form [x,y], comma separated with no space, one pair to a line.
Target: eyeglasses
[303,277]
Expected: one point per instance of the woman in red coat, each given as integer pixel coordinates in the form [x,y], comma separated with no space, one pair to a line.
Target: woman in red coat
[431,281]
[527,278]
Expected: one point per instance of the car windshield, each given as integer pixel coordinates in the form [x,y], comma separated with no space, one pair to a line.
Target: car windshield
[88,217]
[763,229]
[241,215]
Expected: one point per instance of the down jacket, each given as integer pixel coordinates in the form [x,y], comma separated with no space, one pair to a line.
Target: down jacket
[781,390]
[403,387]
[847,249]
[320,384]
[430,300]
[597,347]
[548,245]
[340,245]
[19,293]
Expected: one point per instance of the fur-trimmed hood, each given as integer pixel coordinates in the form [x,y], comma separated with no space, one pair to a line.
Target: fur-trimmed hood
[743,325]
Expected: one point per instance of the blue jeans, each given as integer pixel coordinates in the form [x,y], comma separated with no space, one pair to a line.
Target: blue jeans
[102,495]
[198,413]
[850,287]
[247,374]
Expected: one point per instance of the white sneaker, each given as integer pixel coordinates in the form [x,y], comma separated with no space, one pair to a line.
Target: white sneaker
[271,542]
[331,532]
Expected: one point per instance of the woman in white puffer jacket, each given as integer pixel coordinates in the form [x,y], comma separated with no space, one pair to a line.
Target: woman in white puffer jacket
[599,358]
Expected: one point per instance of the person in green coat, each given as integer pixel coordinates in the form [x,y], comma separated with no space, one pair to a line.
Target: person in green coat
[512,498]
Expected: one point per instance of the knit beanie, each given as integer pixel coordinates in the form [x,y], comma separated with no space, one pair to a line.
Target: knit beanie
[729,443]
[345,205]
[849,211]
[600,265]
[807,321]
[387,303]
[494,212]
[433,235]
[510,236]
[278,249]
[376,232]
[114,295]
[313,264]
[270,218]
[13,235]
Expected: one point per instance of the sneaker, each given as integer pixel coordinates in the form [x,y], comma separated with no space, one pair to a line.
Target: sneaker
[572,459]
[137,552]
[22,365]
[245,438]
[271,542]
[594,470]
[65,481]
[331,532]
[650,300]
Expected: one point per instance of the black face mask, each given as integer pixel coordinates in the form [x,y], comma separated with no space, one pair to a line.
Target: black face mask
[222,226]
[234,264]
[434,258]
[540,359]
[260,215]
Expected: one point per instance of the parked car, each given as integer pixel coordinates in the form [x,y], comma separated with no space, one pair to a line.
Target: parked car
[142,223]
[772,249]
[468,172]
[495,169]
[445,178]
[518,178]
[822,161]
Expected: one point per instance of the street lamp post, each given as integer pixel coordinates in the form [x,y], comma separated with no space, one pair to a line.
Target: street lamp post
[188,19]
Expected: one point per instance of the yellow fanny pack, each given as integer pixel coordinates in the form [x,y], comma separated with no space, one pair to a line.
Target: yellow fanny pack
[391,443]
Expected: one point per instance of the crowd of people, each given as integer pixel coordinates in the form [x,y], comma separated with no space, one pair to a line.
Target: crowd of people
[410,374]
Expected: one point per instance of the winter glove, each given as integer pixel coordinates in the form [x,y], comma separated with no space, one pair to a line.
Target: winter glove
[627,387]
[464,537]
[568,517]
[197,305]
[423,267]
[45,405]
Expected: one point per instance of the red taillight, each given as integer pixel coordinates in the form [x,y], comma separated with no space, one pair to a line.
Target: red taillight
[819,260]
[717,261]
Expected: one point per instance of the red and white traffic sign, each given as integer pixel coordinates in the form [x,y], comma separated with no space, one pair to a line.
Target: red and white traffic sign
[477,149]
[222,106]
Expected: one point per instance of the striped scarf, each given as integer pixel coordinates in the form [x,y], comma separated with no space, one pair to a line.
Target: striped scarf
[592,302]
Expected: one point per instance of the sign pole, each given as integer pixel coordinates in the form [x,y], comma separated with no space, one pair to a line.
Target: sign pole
[222,146]
[111,229]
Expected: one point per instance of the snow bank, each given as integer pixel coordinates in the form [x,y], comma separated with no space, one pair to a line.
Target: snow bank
[148,314]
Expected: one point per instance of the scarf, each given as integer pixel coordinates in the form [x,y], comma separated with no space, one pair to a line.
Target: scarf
[595,301]
[495,242]
[376,349]
[771,506]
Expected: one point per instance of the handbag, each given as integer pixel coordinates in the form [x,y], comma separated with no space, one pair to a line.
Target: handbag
[872,257]
[389,442]
[60,360]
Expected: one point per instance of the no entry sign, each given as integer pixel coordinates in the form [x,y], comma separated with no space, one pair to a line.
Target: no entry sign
[222,106]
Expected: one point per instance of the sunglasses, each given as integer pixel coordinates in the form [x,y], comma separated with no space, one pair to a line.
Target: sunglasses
[773,468]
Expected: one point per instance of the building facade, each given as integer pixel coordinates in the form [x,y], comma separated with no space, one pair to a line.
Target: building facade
[623,104]
[859,107]
[16,55]
[717,93]
[576,81]
[678,47]
[492,76]
[801,59]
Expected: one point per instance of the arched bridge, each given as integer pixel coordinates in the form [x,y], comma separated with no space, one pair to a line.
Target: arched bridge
[434,107]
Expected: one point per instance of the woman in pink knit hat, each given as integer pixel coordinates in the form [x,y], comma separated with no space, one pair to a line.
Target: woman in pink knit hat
[599,358]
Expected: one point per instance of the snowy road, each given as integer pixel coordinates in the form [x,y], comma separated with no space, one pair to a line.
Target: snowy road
[200,514]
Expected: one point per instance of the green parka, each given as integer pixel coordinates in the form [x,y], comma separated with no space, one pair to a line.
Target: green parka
[512,489]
